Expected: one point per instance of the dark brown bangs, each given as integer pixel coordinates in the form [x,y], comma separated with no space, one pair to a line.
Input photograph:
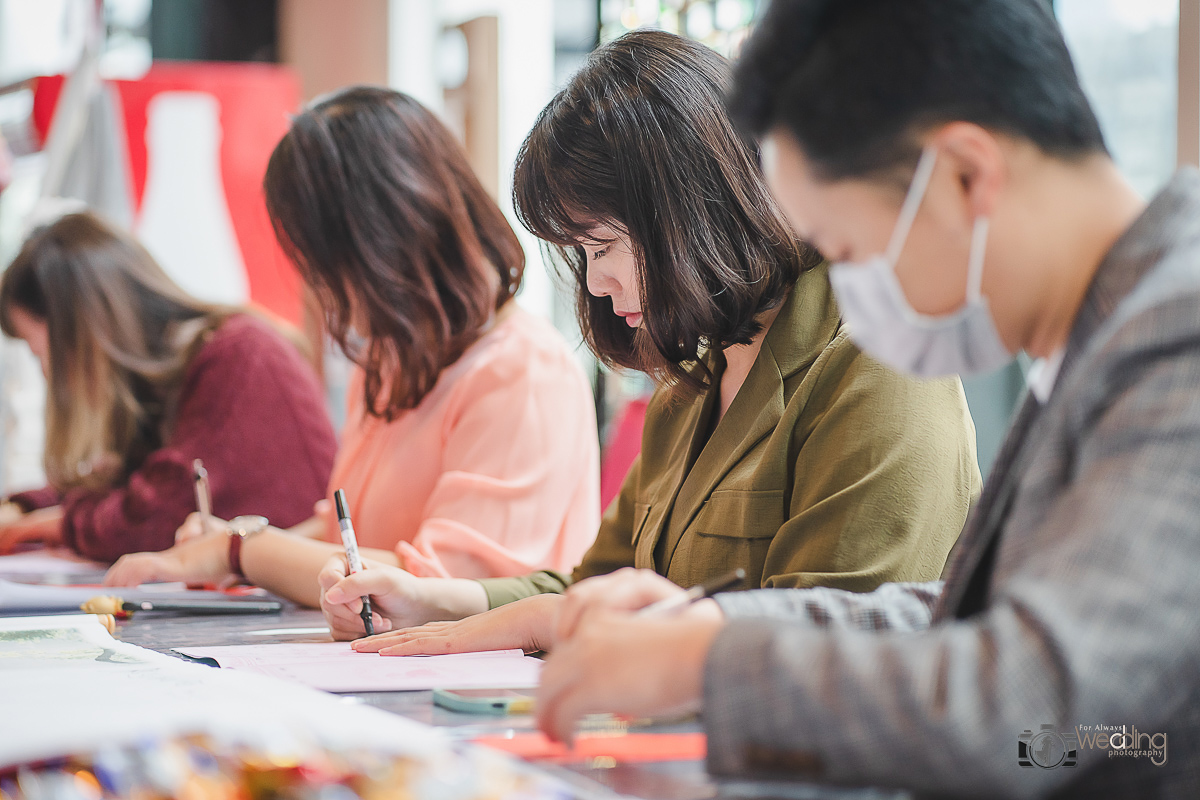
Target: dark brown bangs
[640,139]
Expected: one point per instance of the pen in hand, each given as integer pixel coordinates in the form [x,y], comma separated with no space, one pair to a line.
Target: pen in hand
[353,560]
[203,497]
[698,592]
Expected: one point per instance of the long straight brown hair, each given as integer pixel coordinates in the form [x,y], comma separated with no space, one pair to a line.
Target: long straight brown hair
[121,337]
[375,202]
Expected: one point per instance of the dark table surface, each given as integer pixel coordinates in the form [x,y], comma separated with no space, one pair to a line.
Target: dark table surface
[162,632]
[652,781]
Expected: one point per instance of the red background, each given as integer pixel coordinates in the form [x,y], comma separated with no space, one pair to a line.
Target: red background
[255,101]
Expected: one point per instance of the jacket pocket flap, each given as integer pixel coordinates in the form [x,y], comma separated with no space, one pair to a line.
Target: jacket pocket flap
[739,514]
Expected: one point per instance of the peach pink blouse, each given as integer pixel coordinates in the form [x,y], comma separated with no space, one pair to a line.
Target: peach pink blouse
[495,473]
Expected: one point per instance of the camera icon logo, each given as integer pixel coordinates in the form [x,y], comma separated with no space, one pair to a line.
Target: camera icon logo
[1047,748]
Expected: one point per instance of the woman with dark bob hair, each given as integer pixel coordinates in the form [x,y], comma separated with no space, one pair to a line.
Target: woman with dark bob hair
[470,447]
[142,379]
[773,444]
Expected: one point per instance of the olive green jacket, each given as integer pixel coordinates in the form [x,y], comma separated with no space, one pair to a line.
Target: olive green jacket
[828,469]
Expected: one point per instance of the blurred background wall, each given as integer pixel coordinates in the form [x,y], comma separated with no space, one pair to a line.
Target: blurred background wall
[487,67]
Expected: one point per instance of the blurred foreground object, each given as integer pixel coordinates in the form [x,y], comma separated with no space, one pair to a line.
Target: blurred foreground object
[113,720]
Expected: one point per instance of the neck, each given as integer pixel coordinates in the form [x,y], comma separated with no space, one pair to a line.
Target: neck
[1082,216]
[740,357]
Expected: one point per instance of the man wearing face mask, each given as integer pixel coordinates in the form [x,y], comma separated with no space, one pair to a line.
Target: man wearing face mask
[960,179]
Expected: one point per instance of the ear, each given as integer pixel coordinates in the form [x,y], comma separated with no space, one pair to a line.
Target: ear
[979,166]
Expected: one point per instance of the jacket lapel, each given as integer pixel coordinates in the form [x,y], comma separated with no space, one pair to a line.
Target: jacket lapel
[752,416]
[674,467]
[806,324]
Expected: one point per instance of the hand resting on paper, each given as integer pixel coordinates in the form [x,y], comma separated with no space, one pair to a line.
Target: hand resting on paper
[199,558]
[533,624]
[42,526]
[400,598]
[527,624]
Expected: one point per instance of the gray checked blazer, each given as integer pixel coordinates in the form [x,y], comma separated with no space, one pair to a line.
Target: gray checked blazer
[1071,600]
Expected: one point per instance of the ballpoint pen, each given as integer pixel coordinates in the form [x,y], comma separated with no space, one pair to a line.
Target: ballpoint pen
[699,592]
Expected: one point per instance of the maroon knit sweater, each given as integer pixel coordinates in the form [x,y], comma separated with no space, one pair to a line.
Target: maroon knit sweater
[252,408]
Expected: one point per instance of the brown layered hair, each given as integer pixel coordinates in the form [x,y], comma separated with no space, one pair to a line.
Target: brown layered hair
[375,202]
[640,141]
[121,335]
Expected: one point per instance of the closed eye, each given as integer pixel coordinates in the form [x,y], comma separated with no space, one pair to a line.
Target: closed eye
[601,253]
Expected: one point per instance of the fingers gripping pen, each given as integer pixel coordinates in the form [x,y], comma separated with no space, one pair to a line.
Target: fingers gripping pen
[352,558]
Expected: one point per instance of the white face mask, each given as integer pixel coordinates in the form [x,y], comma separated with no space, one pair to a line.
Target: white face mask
[886,326]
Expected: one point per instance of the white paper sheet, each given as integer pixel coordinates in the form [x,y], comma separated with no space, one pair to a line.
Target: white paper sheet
[334,667]
[49,562]
[66,686]
[22,598]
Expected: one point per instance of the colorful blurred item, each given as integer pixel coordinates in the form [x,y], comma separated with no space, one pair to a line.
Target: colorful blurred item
[98,718]
[614,747]
[192,141]
[720,24]
[205,768]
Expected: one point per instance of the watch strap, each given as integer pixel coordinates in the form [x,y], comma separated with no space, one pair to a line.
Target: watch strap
[235,554]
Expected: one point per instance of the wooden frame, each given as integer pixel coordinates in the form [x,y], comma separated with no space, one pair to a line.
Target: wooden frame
[1187,145]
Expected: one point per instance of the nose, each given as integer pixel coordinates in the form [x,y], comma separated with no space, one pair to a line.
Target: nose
[600,283]
[829,249]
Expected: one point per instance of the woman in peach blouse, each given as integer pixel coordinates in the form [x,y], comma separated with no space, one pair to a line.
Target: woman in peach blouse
[470,447]
[493,471]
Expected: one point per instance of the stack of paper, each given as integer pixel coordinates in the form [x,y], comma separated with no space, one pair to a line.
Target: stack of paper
[49,562]
[66,686]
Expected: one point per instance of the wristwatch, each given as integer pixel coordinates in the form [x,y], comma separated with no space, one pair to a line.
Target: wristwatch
[240,528]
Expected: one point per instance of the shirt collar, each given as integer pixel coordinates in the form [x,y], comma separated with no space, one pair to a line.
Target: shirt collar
[1043,374]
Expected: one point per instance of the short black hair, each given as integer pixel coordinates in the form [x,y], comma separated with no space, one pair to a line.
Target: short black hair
[641,140]
[857,81]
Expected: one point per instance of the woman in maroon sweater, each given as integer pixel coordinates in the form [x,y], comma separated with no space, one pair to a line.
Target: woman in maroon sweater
[141,380]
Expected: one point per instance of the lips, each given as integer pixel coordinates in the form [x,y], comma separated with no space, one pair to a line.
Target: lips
[632,318]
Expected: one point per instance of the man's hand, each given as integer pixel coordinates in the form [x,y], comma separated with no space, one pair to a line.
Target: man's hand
[627,589]
[623,664]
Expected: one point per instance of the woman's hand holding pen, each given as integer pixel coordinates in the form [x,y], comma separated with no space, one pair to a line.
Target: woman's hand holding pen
[399,599]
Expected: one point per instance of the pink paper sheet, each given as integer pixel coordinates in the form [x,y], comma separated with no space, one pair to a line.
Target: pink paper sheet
[334,667]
